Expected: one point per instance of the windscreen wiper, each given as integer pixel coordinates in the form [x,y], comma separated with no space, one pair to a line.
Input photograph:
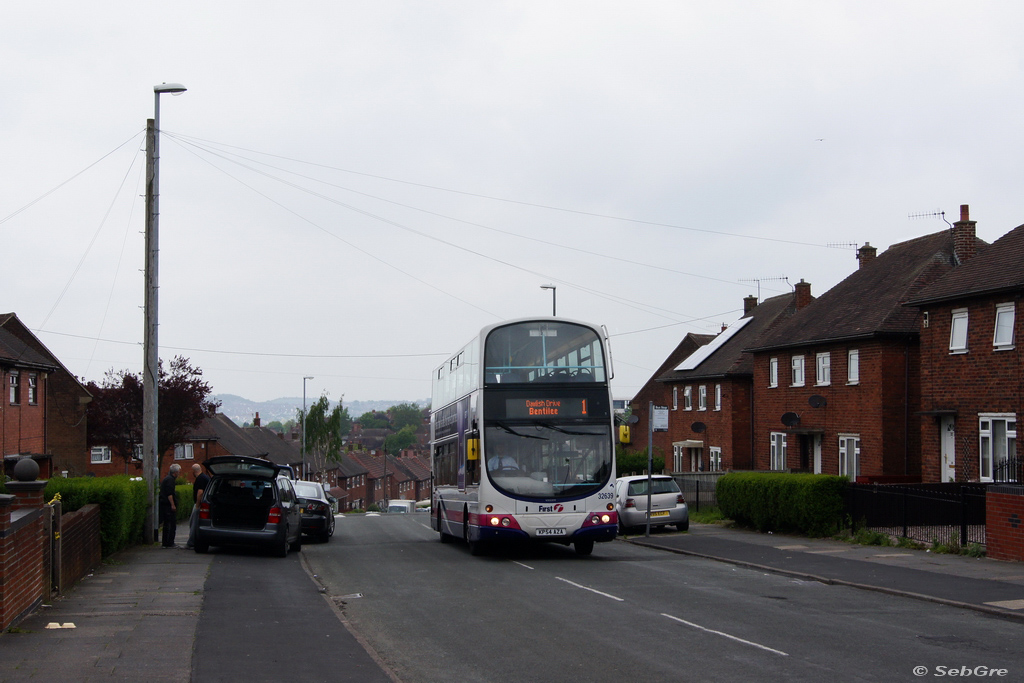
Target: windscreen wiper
[515,433]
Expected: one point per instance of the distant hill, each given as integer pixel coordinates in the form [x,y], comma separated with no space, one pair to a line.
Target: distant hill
[242,410]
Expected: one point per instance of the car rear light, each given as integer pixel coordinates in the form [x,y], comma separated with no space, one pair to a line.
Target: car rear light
[680,500]
[274,515]
[204,511]
[630,503]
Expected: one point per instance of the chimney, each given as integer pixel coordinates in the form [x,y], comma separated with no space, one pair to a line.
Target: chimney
[724,327]
[963,236]
[802,292]
[866,254]
[749,303]
[256,420]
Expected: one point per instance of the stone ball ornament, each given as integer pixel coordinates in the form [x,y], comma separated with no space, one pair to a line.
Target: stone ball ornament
[26,469]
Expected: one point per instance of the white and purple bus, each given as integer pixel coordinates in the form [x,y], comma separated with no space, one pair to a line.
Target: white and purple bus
[522,443]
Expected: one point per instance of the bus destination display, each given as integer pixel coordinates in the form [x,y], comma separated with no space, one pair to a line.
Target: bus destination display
[545,407]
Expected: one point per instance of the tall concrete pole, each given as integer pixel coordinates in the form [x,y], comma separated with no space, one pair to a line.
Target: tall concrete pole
[151,372]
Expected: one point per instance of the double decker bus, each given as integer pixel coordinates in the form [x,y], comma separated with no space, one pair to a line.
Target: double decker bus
[522,443]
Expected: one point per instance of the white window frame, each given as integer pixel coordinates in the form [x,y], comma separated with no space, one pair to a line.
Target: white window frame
[99,455]
[14,381]
[994,445]
[823,369]
[777,451]
[33,388]
[718,397]
[773,372]
[958,327]
[675,398]
[183,451]
[853,366]
[688,398]
[677,458]
[848,443]
[702,397]
[715,459]
[137,452]
[796,369]
[1006,313]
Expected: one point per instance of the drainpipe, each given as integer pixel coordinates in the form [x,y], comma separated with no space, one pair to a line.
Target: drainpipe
[906,409]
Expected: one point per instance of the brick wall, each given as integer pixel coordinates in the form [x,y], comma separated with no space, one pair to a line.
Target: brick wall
[22,575]
[1004,522]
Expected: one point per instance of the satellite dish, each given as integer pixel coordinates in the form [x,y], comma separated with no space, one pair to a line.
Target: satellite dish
[790,419]
[698,427]
[817,401]
[632,420]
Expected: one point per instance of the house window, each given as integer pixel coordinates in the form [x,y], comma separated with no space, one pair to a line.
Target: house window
[798,371]
[687,398]
[677,458]
[958,332]
[702,398]
[137,452]
[718,397]
[14,380]
[998,447]
[849,455]
[182,451]
[778,451]
[33,388]
[1003,336]
[853,366]
[675,398]
[823,369]
[99,454]
[773,372]
[716,459]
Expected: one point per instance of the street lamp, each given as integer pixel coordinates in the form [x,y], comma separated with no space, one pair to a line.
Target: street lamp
[304,473]
[151,353]
[552,288]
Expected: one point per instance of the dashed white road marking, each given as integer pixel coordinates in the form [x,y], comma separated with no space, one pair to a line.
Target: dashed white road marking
[725,635]
[592,590]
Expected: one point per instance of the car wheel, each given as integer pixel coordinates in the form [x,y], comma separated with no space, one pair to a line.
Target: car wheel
[202,548]
[282,548]
[683,525]
[297,545]
[584,547]
[477,548]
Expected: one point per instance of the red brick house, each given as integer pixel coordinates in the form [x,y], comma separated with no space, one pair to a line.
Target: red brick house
[971,366]
[711,403]
[378,475]
[837,385]
[348,483]
[42,413]
[660,394]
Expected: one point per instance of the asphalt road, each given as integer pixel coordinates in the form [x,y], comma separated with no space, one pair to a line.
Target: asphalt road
[433,612]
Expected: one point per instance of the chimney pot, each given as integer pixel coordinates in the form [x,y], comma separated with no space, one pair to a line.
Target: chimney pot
[866,254]
[964,236]
[256,420]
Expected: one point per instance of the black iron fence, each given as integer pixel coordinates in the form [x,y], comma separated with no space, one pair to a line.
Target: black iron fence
[947,513]
[698,489]
[1009,470]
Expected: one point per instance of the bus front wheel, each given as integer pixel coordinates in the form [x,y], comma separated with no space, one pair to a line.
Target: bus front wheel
[584,547]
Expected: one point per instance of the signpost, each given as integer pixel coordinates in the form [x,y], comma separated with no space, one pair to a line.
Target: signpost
[657,420]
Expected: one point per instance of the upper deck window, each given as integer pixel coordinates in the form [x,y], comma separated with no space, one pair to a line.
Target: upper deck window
[543,351]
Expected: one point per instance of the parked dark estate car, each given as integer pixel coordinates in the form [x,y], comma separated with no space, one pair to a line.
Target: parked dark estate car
[317,514]
[248,502]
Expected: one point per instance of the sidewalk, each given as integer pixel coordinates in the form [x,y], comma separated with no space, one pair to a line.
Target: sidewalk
[980,584]
[133,619]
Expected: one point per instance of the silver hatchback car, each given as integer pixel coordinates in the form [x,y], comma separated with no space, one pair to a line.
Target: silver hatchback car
[667,503]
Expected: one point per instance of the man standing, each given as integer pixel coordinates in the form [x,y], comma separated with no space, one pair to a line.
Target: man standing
[169,505]
[202,480]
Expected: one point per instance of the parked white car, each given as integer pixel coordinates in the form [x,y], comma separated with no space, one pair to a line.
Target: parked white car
[667,503]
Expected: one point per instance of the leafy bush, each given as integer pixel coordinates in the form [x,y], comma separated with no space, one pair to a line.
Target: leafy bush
[635,462]
[810,504]
[122,504]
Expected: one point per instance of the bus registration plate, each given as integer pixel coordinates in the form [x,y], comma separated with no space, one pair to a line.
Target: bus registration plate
[551,531]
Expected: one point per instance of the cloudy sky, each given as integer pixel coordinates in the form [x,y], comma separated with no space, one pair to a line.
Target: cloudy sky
[350,190]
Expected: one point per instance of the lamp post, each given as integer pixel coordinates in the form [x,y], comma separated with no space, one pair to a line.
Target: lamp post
[151,353]
[552,288]
[304,474]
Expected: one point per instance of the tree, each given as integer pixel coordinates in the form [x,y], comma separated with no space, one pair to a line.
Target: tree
[115,413]
[405,414]
[374,420]
[395,443]
[325,431]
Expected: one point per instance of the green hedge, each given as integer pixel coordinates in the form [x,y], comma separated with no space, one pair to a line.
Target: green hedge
[810,504]
[122,502]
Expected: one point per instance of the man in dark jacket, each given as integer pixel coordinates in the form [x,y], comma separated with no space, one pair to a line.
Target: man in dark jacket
[198,489]
[169,505]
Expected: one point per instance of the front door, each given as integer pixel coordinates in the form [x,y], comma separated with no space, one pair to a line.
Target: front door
[947,432]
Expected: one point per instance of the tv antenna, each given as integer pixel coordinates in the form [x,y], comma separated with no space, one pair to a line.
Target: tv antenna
[931,214]
[841,245]
[759,280]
